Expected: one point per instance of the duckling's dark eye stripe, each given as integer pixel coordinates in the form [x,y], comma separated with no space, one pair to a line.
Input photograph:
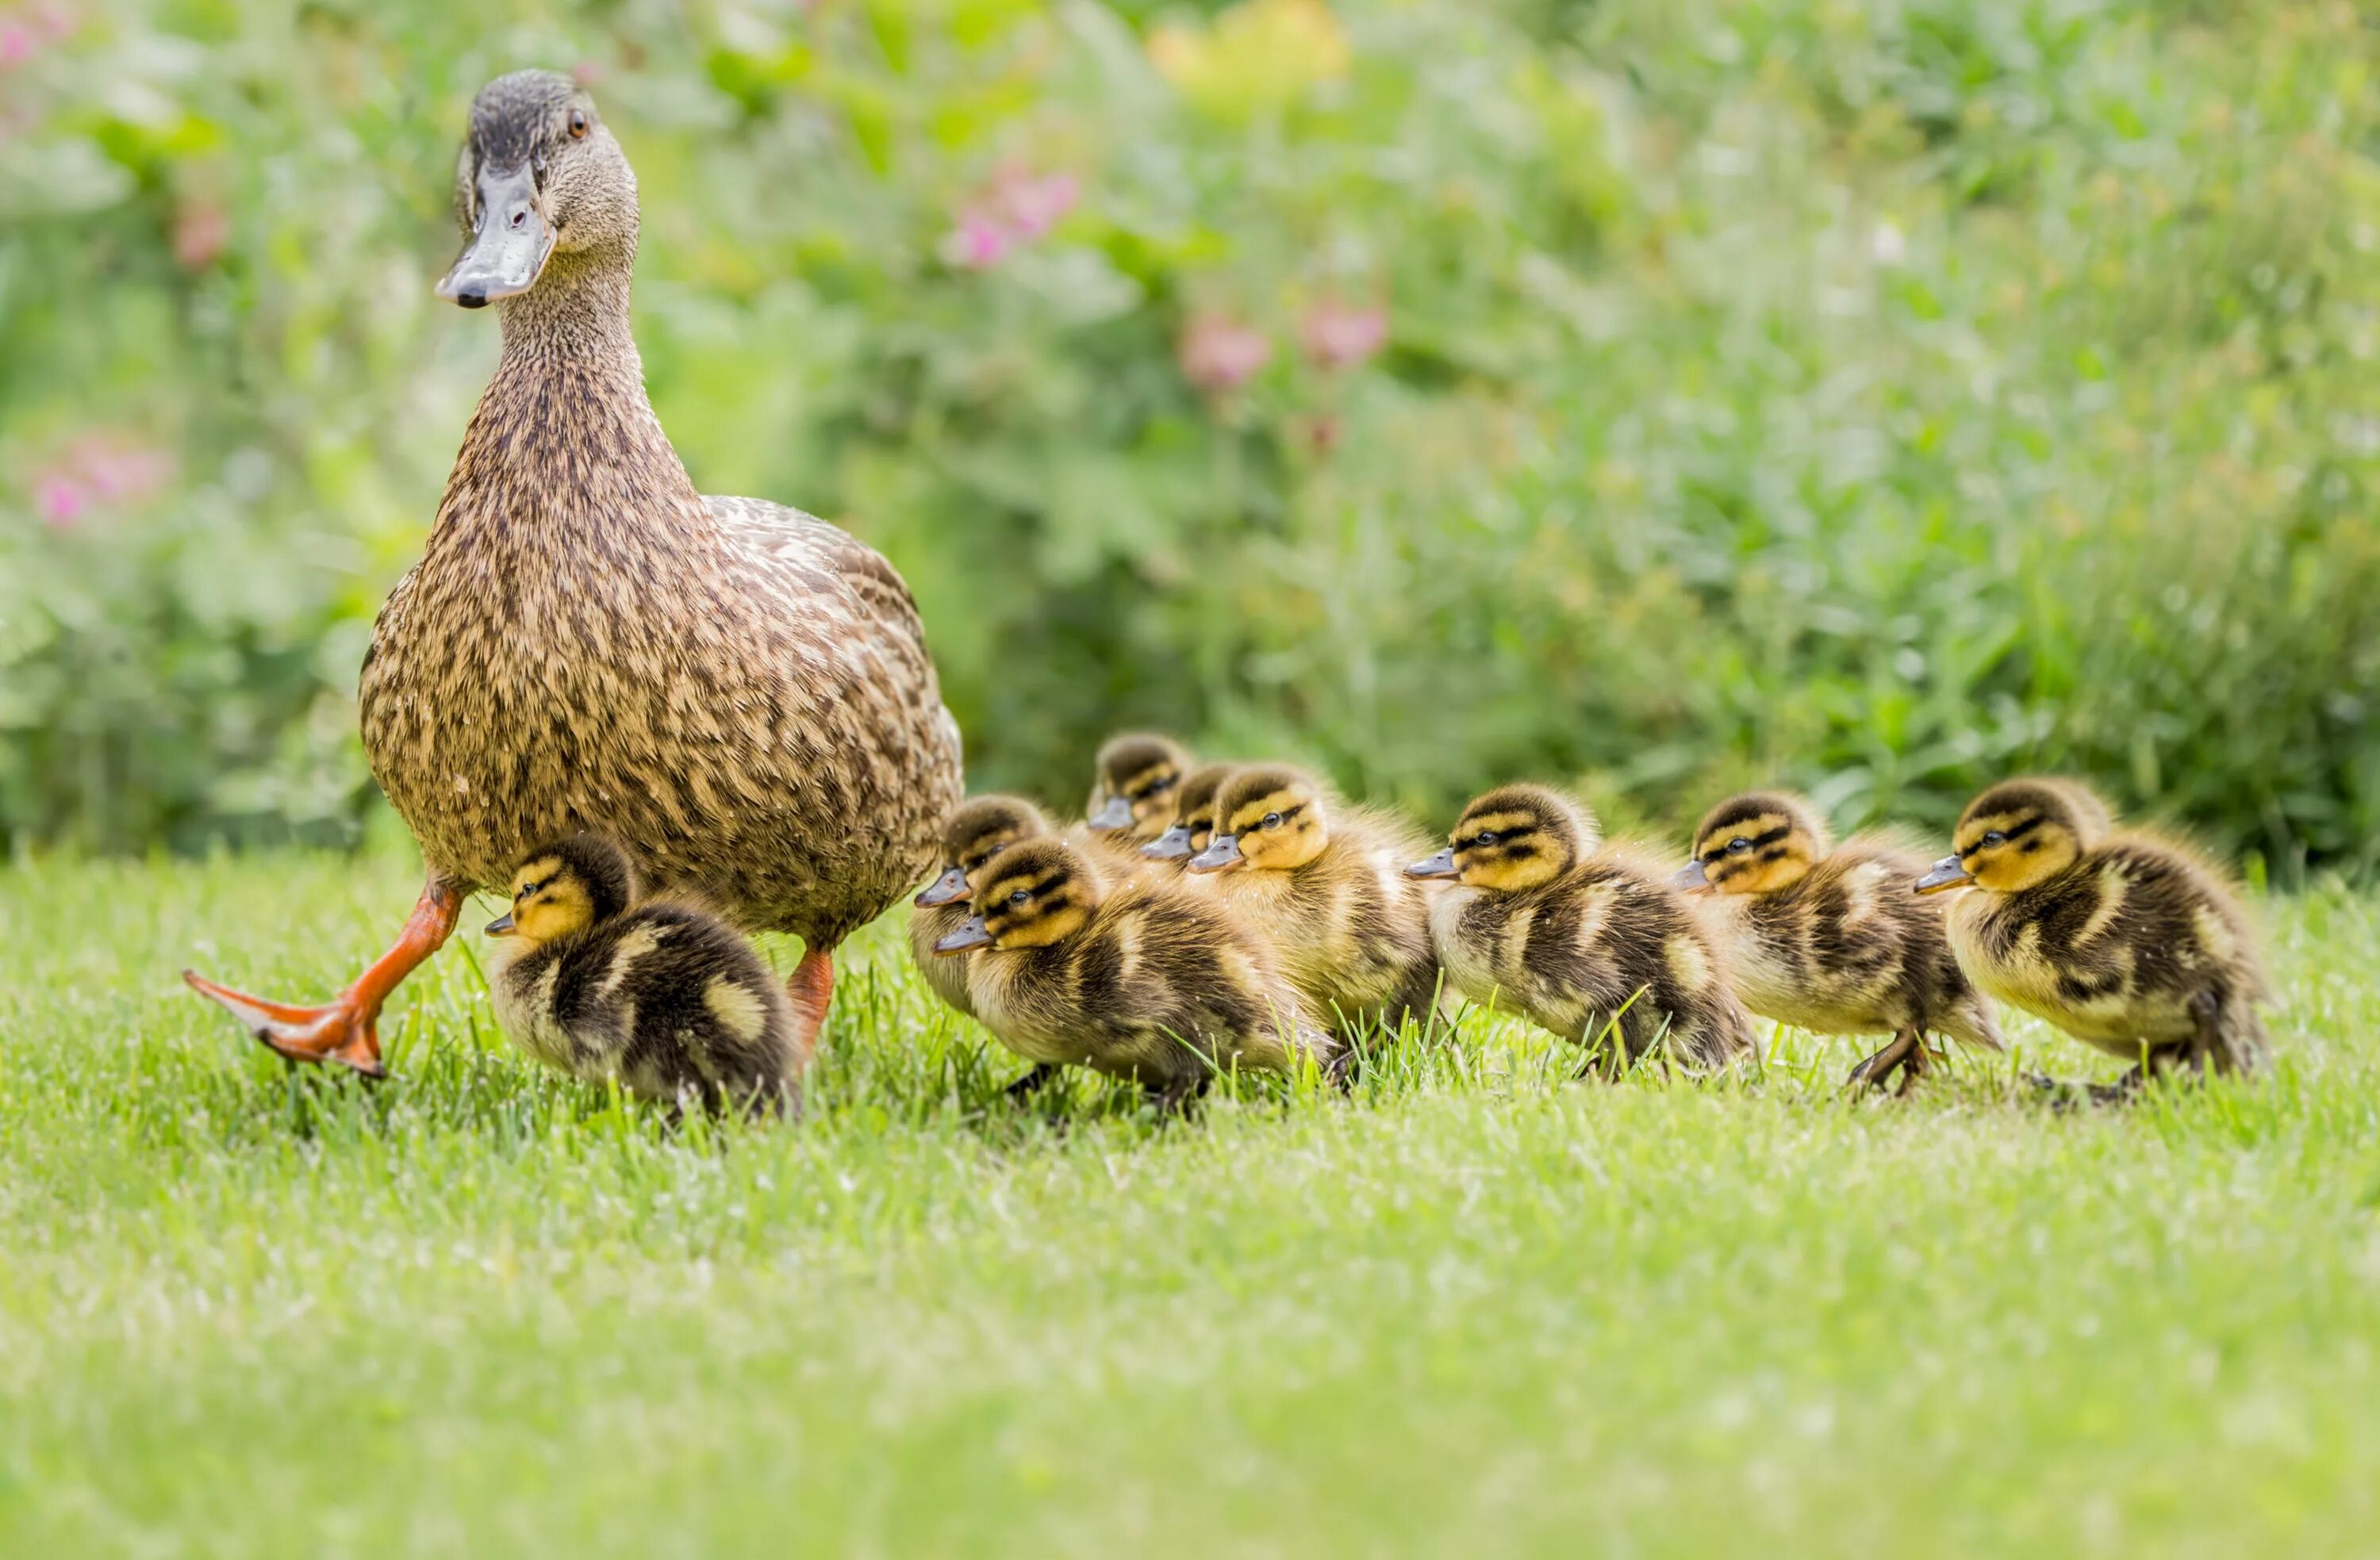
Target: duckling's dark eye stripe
[1156,787]
[1257,819]
[2008,836]
[1768,837]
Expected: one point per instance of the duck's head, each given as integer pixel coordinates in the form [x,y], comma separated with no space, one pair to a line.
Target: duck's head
[1266,816]
[1760,842]
[1513,838]
[2018,833]
[1192,829]
[1029,896]
[565,888]
[1133,792]
[539,176]
[979,829]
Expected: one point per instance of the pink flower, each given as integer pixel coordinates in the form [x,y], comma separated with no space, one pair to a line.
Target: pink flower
[975,243]
[22,33]
[1016,210]
[1341,335]
[201,228]
[60,499]
[97,470]
[121,474]
[586,73]
[1033,206]
[1218,353]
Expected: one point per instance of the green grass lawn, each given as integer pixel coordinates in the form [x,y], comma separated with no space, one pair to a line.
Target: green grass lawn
[1474,1310]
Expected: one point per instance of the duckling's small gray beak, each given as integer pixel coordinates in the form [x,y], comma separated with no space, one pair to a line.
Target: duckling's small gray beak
[511,245]
[1945,874]
[972,935]
[1692,878]
[1439,865]
[1172,845]
[1222,853]
[949,888]
[502,926]
[1114,813]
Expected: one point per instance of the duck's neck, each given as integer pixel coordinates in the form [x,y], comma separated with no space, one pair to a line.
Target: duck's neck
[564,442]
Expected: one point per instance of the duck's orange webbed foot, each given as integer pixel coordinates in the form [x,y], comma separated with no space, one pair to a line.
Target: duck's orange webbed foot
[346,1029]
[811,987]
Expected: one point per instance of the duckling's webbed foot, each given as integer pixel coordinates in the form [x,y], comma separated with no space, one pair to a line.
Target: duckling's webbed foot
[1904,1054]
[1037,1078]
[346,1029]
[2123,1091]
[1175,1096]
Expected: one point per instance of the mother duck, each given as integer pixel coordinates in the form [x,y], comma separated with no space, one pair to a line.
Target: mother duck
[739,694]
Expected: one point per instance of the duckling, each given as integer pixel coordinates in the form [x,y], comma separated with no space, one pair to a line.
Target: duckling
[589,643]
[1137,775]
[662,995]
[1320,880]
[2126,942]
[1192,829]
[1580,937]
[1821,937]
[979,829]
[1133,979]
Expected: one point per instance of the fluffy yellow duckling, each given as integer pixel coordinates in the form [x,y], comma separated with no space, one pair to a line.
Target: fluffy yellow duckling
[2126,942]
[1137,776]
[979,830]
[662,997]
[1582,940]
[1323,883]
[1138,980]
[1192,829]
[1826,938]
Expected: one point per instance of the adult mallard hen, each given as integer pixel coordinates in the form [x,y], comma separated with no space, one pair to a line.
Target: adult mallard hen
[736,692]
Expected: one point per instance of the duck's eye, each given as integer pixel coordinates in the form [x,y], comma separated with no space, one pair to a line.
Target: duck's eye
[1484,839]
[1272,820]
[577,123]
[1738,845]
[1995,837]
[1020,896]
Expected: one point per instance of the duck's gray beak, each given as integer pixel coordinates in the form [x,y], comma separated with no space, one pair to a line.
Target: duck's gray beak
[1221,853]
[1172,845]
[1439,865]
[950,887]
[1945,874]
[972,935]
[509,249]
[502,926]
[1692,878]
[1114,813]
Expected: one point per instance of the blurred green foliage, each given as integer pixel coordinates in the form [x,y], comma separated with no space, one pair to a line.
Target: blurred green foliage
[1874,395]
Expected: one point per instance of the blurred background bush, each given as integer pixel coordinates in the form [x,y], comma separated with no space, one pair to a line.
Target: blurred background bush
[1874,395]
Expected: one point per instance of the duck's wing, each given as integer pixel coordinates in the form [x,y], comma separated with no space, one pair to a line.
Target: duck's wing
[835,564]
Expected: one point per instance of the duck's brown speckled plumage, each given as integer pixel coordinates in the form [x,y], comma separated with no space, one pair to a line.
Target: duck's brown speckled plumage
[1578,936]
[738,693]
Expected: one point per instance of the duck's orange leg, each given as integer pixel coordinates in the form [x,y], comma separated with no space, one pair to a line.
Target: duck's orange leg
[346,1029]
[811,987]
